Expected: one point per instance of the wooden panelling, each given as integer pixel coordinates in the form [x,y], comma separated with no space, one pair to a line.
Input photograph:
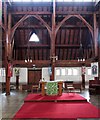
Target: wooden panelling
[67,41]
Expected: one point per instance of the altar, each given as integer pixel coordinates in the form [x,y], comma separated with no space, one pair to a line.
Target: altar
[43,85]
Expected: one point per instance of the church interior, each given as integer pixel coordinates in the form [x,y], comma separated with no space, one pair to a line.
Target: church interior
[50,59]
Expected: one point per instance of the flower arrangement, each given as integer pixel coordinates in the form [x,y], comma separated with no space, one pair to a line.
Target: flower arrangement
[17,71]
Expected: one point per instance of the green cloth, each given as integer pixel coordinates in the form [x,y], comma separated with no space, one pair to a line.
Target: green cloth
[52,88]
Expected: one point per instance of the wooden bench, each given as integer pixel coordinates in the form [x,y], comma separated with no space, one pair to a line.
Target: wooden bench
[76,85]
[94,86]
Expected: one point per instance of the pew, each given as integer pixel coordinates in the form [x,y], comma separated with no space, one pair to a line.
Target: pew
[94,86]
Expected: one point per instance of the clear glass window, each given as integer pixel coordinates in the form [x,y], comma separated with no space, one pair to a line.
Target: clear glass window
[89,71]
[63,71]
[75,71]
[69,71]
[58,72]
[56,0]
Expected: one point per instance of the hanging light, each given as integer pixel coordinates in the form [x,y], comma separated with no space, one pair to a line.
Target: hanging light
[28,58]
[80,56]
[32,37]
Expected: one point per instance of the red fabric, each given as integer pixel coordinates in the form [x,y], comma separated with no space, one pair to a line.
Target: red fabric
[9,70]
[64,97]
[57,110]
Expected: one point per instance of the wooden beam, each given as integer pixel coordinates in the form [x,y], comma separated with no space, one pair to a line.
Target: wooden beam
[8,55]
[31,13]
[34,46]
[53,37]
[0,12]
[95,35]
[43,27]
[49,13]
[9,52]
[74,12]
[44,63]
[36,62]
[77,16]
[5,16]
[24,18]
[48,46]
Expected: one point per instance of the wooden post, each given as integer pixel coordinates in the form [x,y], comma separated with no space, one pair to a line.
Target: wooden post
[53,36]
[7,85]
[99,52]
[83,81]
[8,53]
[60,84]
[0,12]
[43,88]
[83,71]
[17,82]
[95,35]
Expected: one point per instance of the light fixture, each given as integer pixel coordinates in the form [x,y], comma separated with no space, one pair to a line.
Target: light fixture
[28,58]
[32,37]
[80,55]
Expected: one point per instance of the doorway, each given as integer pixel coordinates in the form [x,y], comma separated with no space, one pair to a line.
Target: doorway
[34,76]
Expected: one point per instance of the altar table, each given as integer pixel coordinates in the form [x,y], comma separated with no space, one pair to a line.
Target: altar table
[43,83]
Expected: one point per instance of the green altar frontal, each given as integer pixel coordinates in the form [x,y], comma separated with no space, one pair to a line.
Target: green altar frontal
[51,88]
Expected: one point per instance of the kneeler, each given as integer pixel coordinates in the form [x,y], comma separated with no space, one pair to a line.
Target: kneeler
[51,88]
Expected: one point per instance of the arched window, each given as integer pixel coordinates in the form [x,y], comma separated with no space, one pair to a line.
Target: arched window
[34,38]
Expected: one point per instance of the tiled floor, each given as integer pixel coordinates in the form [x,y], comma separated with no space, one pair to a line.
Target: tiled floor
[11,104]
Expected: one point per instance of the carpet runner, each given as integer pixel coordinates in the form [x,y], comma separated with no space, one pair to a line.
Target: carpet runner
[71,97]
[56,110]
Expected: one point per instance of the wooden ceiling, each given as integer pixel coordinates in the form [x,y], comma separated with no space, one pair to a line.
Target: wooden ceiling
[72,32]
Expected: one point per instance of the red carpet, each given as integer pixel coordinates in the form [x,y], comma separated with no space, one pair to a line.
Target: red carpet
[64,97]
[56,110]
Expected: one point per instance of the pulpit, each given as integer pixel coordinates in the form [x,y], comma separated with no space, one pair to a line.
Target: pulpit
[57,85]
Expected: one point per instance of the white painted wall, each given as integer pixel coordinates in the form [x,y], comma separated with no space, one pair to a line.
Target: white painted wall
[69,77]
[76,78]
[2,75]
[45,73]
[23,77]
[88,77]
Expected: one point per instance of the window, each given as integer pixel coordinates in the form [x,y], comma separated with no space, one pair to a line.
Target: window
[75,71]
[69,71]
[89,71]
[63,71]
[56,0]
[0,72]
[58,72]
[34,38]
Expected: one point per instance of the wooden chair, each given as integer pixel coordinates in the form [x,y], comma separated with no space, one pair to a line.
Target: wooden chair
[35,87]
[70,87]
